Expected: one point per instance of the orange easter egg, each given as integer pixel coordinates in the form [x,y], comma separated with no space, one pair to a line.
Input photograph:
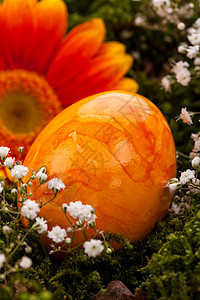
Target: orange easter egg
[114,151]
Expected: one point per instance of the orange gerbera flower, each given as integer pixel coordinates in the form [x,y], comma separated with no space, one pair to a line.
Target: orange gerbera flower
[42,71]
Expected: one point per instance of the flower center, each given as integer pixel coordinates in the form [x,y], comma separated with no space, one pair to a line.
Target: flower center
[19,113]
[27,104]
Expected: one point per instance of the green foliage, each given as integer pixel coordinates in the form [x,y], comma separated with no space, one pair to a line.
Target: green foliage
[115,13]
[173,271]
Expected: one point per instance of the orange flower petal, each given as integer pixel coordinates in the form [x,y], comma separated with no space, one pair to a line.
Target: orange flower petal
[2,173]
[126,84]
[103,71]
[2,60]
[18,29]
[51,18]
[82,43]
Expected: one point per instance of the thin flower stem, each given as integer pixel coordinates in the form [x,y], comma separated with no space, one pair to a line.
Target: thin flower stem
[83,230]
[48,201]
[16,248]
[34,190]
[72,239]
[183,155]
[69,220]
[42,245]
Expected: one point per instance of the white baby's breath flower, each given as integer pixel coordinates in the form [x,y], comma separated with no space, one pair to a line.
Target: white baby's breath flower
[179,66]
[91,222]
[41,225]
[173,185]
[197,145]
[4,152]
[2,259]
[194,187]
[87,213]
[19,171]
[1,186]
[25,262]
[6,229]
[175,209]
[30,209]
[197,61]
[56,185]
[185,116]
[93,247]
[195,136]
[194,36]
[41,177]
[9,162]
[182,48]
[161,7]
[187,176]
[166,83]
[28,249]
[197,23]
[140,21]
[192,51]
[183,75]
[75,209]
[57,234]
[81,212]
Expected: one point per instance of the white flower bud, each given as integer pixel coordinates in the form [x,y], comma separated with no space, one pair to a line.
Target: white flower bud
[69,230]
[196,162]
[6,229]
[9,162]
[42,177]
[67,240]
[20,149]
[108,250]
[64,207]
[13,192]
[181,26]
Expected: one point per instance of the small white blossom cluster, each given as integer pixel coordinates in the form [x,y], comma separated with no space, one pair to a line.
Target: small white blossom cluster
[196,150]
[2,260]
[172,12]
[30,209]
[93,247]
[56,185]
[180,205]
[182,70]
[81,212]
[185,116]
[182,74]
[193,36]
[4,152]
[166,83]
[187,177]
[25,262]
[57,234]
[162,7]
[1,186]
